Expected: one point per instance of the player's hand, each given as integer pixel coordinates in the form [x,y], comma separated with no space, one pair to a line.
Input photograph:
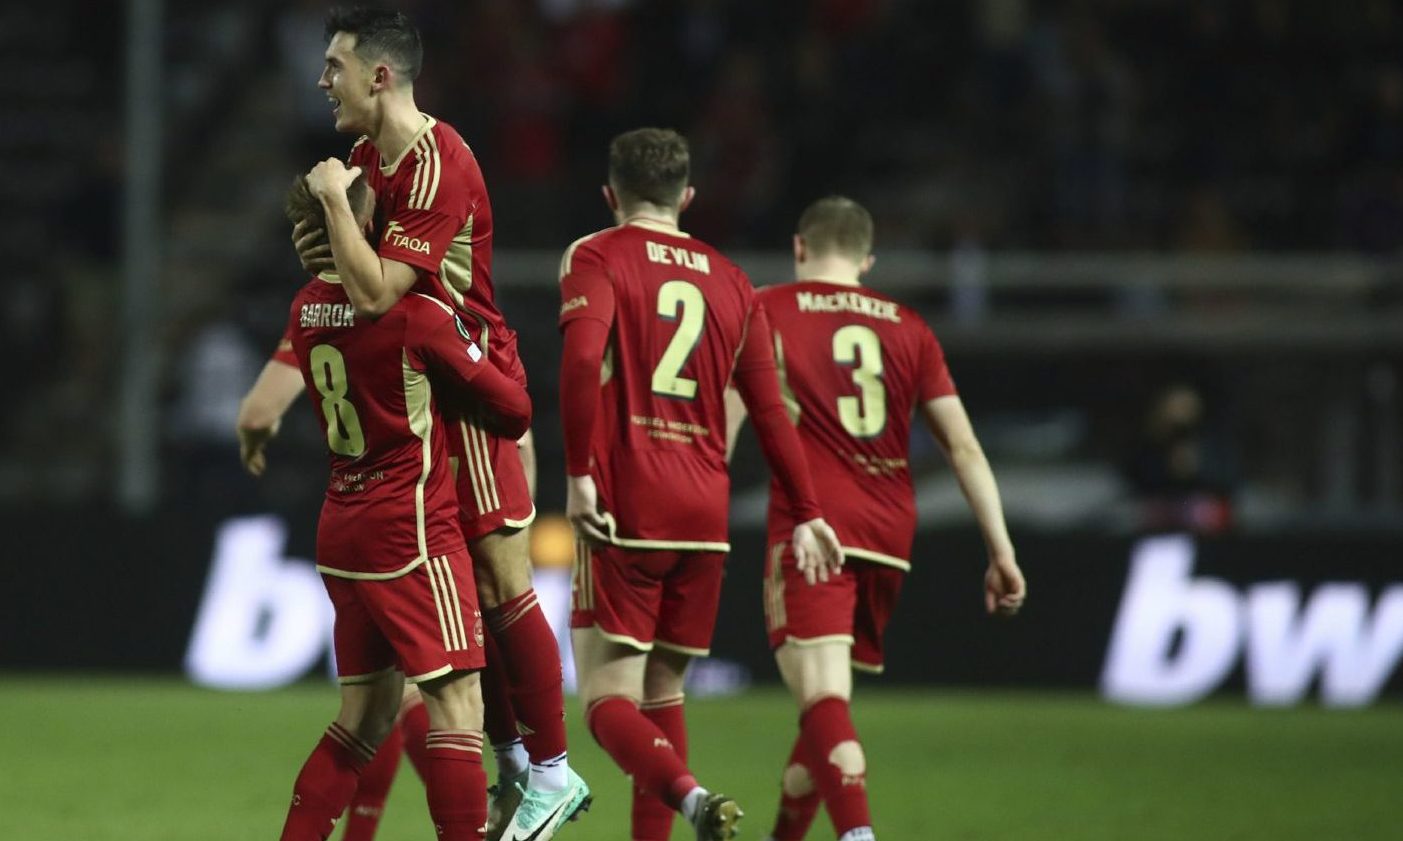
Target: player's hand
[817,551]
[1004,587]
[312,247]
[329,179]
[252,443]
[582,509]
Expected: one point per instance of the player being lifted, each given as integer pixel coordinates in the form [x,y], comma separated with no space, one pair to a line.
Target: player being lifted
[388,544]
[436,238]
[656,324]
[854,365]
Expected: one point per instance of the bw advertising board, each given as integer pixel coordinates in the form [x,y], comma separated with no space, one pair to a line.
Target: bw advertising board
[1159,620]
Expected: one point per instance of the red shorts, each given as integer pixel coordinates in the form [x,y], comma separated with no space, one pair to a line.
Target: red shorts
[854,607]
[641,598]
[491,482]
[424,623]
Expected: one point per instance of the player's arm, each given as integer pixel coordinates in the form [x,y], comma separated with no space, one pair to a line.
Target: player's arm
[373,283]
[447,350]
[586,317]
[262,409]
[526,449]
[1004,586]
[735,419]
[816,547]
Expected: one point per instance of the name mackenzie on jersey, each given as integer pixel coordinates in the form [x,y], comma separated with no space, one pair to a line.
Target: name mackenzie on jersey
[848,302]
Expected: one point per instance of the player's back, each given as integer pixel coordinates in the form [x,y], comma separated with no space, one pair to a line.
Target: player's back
[853,366]
[680,316]
[389,498]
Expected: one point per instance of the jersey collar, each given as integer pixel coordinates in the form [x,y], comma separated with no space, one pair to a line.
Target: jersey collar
[661,227]
[388,170]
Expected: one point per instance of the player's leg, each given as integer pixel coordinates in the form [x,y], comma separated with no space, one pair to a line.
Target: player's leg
[619,602]
[455,782]
[495,492]
[370,693]
[327,781]
[811,628]
[414,725]
[798,798]
[513,764]
[663,704]
[373,787]
[819,677]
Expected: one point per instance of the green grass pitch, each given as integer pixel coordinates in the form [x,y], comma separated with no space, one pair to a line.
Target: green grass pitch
[157,760]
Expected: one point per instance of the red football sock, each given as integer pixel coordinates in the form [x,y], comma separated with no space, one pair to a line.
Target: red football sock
[414,724]
[532,661]
[837,763]
[368,803]
[640,749]
[498,717]
[456,785]
[652,818]
[797,806]
[325,784]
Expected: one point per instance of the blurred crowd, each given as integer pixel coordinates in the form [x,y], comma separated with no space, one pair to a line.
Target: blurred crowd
[1054,125]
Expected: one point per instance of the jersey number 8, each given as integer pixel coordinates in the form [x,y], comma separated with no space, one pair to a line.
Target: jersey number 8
[860,348]
[343,432]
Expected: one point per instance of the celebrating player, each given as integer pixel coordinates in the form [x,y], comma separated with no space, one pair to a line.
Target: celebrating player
[388,544]
[854,365]
[670,322]
[436,238]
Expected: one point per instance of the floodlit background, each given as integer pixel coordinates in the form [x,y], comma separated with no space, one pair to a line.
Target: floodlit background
[1158,239]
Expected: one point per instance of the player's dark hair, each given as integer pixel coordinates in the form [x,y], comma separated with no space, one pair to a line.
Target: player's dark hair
[649,164]
[380,33]
[300,205]
[837,224]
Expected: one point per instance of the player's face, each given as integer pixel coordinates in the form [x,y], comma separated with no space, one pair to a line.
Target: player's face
[347,82]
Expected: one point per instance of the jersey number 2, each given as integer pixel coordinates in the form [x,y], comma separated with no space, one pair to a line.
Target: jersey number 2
[682,302]
[860,348]
[343,432]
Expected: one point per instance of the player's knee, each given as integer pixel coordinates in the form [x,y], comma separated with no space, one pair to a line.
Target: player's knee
[797,781]
[849,759]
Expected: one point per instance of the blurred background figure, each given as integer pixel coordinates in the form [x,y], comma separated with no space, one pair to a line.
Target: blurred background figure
[1182,473]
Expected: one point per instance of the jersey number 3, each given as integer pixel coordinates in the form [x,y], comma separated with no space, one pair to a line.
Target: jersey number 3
[860,348]
[682,302]
[343,432]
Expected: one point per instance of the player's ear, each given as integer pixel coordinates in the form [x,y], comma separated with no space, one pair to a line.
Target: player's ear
[609,198]
[800,252]
[866,265]
[688,193]
[380,77]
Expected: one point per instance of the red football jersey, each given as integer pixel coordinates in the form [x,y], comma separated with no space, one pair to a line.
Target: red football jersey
[854,364]
[390,502]
[433,213]
[679,315]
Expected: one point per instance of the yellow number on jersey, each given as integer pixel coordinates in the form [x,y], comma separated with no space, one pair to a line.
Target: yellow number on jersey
[343,432]
[681,301]
[860,348]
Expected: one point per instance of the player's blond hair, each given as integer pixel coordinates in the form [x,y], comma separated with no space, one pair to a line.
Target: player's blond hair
[651,165]
[837,225]
[299,205]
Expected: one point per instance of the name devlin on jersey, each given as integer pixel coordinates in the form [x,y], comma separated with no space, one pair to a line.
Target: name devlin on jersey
[848,302]
[671,255]
[327,315]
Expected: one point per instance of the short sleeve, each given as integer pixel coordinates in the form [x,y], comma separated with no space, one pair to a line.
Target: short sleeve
[284,352]
[585,288]
[437,338]
[419,238]
[934,376]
